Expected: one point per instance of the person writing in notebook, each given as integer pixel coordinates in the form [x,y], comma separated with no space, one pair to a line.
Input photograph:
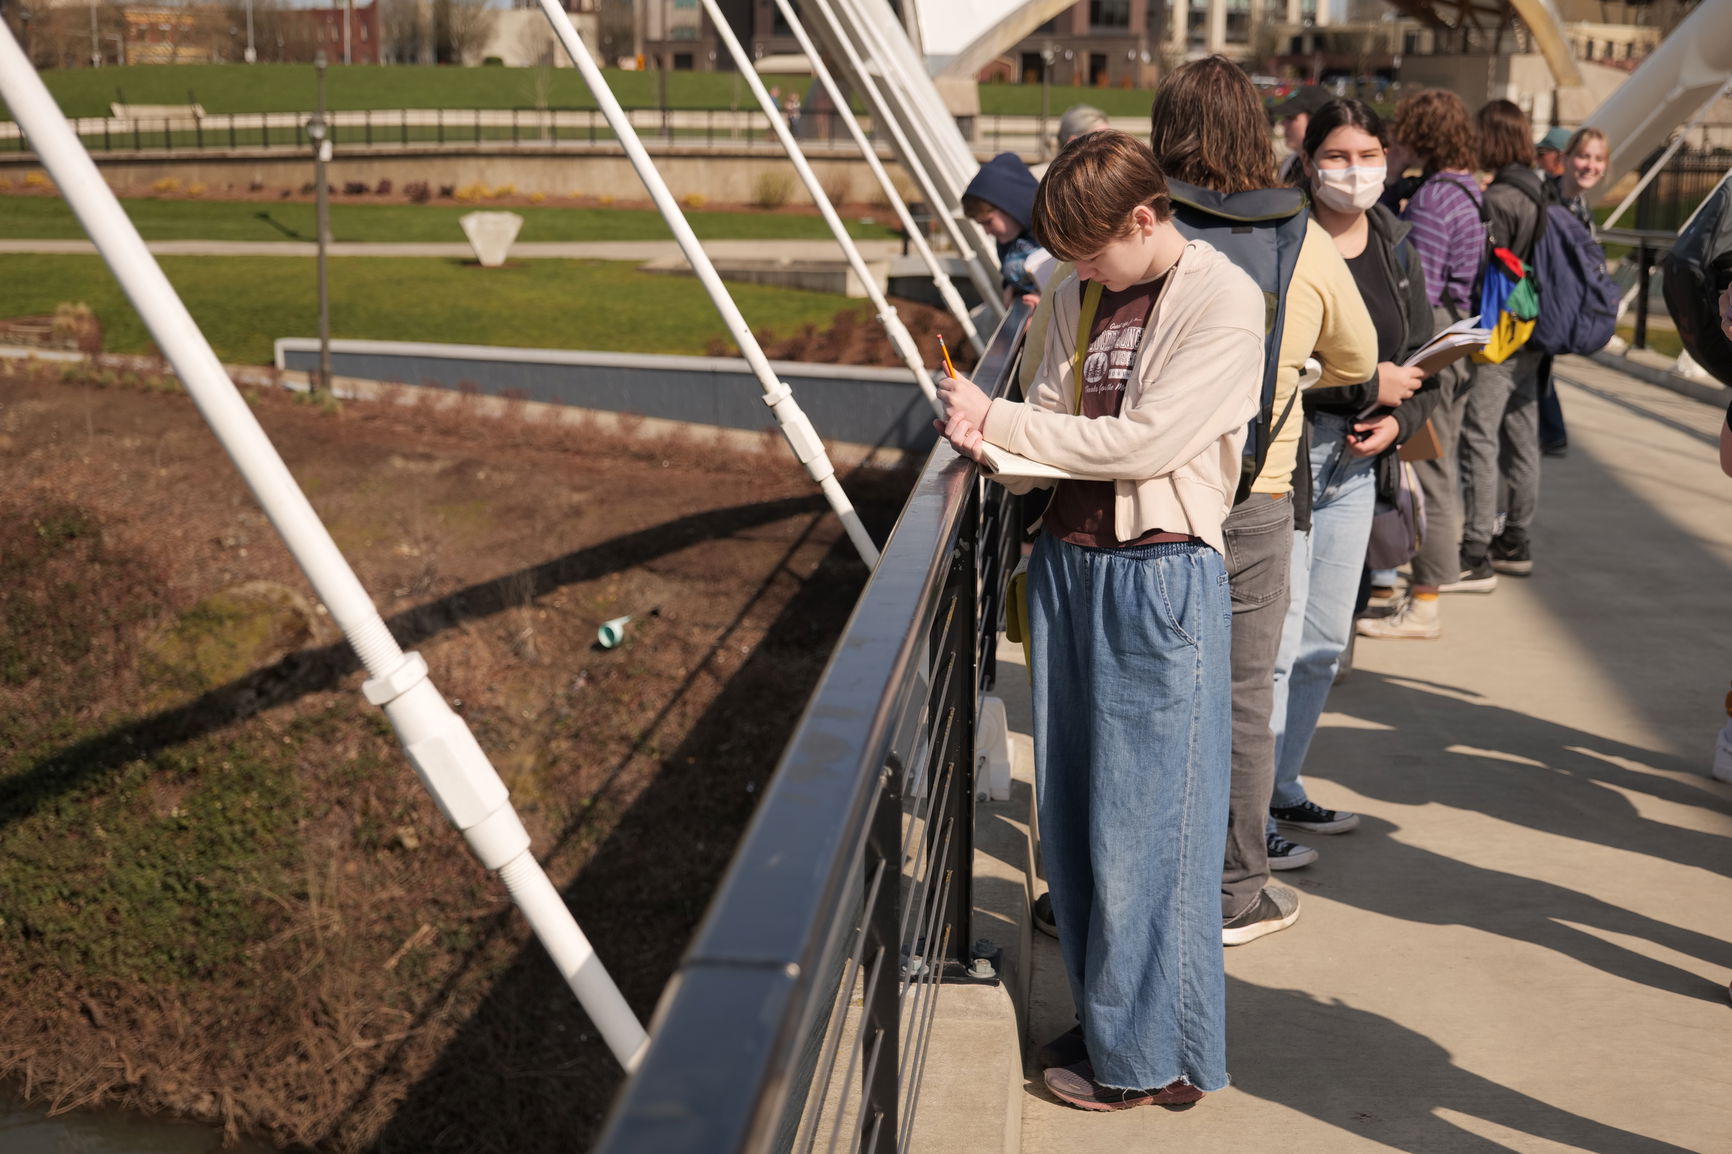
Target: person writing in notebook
[1149,373]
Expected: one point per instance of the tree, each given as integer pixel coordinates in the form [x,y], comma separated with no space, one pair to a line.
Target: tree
[461,28]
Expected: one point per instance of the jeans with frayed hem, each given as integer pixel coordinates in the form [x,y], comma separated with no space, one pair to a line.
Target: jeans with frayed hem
[1132,704]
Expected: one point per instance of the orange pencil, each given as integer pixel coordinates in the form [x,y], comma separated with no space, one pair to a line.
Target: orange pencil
[948,367]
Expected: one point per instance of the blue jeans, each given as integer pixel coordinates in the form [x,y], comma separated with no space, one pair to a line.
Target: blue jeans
[1132,724]
[1327,563]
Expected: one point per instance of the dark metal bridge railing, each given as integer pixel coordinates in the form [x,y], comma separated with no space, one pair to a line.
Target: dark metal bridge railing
[800,1016]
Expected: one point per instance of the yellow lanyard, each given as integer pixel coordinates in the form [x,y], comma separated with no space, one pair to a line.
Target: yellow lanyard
[1091,302]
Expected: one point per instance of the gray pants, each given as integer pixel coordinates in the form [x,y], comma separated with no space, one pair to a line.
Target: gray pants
[1259,538]
[1500,450]
[1439,558]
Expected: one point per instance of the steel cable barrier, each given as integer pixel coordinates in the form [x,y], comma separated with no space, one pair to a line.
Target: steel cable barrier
[799,1019]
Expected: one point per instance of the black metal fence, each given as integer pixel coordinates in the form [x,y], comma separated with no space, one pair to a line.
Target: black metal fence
[420,127]
[799,1019]
[1684,183]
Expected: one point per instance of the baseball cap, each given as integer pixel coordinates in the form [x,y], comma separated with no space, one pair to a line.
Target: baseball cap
[1556,140]
[1306,100]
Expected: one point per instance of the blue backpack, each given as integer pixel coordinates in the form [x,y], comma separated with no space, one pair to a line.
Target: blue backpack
[1261,232]
[1578,301]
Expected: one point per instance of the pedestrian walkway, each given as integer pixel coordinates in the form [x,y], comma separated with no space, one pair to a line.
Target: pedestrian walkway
[1525,945]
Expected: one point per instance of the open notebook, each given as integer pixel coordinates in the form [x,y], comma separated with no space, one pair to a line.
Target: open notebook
[1449,345]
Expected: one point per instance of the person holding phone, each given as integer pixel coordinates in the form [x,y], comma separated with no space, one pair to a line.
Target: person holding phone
[1345,155]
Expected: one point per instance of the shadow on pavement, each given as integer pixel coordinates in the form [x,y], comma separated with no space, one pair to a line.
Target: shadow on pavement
[1445,746]
[1386,1083]
[1380,873]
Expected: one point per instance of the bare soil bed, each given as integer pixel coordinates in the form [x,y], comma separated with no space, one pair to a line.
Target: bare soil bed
[223,893]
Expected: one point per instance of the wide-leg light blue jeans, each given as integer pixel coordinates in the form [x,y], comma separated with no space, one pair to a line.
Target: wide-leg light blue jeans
[1132,733]
[1327,562]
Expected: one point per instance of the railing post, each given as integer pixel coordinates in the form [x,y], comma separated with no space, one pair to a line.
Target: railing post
[1642,293]
[958,863]
[879,1033]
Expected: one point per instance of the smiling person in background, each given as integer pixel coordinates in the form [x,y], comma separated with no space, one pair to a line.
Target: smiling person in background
[1582,163]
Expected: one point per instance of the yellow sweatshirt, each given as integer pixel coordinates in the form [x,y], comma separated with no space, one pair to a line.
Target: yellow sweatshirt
[1326,318]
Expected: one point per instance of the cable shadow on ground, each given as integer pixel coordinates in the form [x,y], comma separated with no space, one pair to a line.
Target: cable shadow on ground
[1436,745]
[1386,1083]
[526,1071]
[326,667]
[1626,574]
[1378,872]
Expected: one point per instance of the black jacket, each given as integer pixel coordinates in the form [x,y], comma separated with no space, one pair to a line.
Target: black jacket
[1512,204]
[1406,282]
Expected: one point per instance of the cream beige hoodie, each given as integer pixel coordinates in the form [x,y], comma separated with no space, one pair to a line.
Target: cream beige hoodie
[1174,449]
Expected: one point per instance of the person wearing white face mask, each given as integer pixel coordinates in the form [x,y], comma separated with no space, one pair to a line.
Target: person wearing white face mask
[1350,432]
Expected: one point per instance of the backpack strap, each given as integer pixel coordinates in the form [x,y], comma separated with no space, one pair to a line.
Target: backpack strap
[1085,322]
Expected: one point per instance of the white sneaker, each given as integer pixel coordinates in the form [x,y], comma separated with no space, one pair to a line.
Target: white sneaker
[1415,620]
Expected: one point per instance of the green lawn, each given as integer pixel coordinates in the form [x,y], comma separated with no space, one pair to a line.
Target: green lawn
[242,305]
[40,217]
[222,88]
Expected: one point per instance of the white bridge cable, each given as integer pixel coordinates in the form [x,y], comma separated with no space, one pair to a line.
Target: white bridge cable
[887,315]
[905,73]
[983,274]
[1678,140]
[951,159]
[795,425]
[916,236]
[439,744]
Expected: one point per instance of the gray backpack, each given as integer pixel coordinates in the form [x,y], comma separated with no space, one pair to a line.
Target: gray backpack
[1261,232]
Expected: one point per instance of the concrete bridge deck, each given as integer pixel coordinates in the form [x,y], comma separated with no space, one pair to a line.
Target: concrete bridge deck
[1526,944]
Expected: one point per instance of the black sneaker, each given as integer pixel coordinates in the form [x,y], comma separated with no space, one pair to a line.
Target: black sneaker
[1509,554]
[1556,448]
[1287,855]
[1313,818]
[1043,920]
[1276,908]
[1477,576]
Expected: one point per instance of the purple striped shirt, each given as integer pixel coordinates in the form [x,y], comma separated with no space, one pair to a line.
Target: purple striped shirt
[1448,236]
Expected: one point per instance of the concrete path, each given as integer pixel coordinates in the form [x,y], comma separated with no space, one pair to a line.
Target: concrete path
[1525,945]
[633,250]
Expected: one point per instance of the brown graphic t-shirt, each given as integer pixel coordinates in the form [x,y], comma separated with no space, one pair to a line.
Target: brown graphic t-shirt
[1081,512]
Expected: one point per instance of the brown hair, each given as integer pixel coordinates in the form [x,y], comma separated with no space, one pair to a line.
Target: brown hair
[1505,136]
[1435,127]
[976,209]
[1583,136]
[1209,128]
[1091,189]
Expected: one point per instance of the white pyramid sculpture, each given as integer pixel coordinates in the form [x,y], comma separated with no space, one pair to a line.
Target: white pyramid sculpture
[490,235]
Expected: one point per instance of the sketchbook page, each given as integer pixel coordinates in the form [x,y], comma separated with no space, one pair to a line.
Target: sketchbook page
[1462,334]
[1434,359]
[1001,462]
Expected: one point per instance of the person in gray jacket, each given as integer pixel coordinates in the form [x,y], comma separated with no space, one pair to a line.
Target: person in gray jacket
[1500,439]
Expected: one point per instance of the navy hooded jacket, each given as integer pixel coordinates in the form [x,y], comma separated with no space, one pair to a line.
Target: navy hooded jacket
[1006,183]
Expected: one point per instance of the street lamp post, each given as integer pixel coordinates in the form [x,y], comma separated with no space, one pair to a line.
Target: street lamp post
[318,132]
[1048,55]
[252,53]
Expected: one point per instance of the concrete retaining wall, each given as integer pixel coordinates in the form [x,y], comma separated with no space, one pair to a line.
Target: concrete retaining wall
[743,174]
[880,408]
